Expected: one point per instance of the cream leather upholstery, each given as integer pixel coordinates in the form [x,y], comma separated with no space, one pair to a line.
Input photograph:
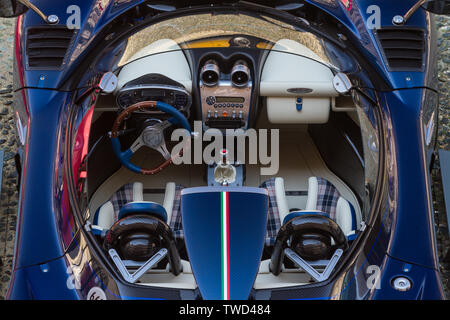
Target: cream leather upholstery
[164,57]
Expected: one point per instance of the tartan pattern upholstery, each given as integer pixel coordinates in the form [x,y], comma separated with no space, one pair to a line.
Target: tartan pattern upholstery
[121,197]
[273,216]
[125,195]
[327,197]
[175,220]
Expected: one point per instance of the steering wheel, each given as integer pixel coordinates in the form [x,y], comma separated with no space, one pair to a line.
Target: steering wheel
[310,235]
[152,136]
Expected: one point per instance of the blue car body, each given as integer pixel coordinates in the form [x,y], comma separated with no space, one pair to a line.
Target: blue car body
[52,248]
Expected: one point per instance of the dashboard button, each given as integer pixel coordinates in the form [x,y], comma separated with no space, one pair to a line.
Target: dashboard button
[210,100]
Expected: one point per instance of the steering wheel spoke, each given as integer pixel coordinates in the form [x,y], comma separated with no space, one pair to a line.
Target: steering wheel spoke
[163,125]
[137,145]
[162,148]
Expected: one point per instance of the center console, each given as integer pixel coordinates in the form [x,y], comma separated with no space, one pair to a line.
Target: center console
[225,97]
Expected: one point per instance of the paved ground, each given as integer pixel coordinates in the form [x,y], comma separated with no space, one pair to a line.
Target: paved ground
[9,195]
[443,24]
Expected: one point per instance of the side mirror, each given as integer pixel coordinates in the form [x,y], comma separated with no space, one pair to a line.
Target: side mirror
[438,6]
[11,8]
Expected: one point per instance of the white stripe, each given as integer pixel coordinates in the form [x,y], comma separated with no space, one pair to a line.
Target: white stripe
[225,245]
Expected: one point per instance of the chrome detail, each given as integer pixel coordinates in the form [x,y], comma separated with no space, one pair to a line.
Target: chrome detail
[342,83]
[342,37]
[401,284]
[108,83]
[52,19]
[21,130]
[210,73]
[429,129]
[363,226]
[308,267]
[241,41]
[153,137]
[132,278]
[225,88]
[240,74]
[398,20]
[224,172]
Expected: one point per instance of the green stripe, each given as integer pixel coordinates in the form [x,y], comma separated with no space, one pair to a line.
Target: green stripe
[222,247]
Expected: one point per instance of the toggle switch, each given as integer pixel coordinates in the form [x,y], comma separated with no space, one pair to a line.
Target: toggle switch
[299,104]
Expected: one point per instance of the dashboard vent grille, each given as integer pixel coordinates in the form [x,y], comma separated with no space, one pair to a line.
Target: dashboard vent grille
[404,48]
[46,47]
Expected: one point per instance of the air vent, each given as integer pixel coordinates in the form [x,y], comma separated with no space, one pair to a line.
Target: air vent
[47,46]
[404,48]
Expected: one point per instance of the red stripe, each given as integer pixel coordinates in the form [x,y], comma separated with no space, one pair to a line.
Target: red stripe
[228,246]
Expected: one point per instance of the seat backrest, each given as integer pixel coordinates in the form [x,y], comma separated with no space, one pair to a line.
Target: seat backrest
[323,198]
[108,213]
[130,198]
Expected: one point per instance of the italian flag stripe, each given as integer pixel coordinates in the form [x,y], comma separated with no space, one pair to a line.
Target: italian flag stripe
[225,239]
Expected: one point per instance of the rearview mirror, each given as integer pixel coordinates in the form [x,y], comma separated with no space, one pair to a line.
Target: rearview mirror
[438,6]
[11,8]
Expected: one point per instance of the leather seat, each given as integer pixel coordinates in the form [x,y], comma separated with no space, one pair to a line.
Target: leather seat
[323,198]
[129,199]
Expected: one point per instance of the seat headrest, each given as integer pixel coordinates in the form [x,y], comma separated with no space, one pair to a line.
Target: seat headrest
[296,214]
[150,208]
[324,196]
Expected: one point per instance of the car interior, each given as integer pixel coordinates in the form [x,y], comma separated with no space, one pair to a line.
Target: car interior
[236,73]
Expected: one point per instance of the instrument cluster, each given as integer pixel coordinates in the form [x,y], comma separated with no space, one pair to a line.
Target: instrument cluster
[154,87]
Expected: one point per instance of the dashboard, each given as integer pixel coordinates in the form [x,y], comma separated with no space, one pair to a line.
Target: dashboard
[225,94]
[222,86]
[217,85]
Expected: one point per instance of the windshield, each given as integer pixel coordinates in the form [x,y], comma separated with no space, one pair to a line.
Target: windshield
[224,30]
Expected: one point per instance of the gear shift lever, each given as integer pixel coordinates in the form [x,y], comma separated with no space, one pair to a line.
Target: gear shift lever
[225,172]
